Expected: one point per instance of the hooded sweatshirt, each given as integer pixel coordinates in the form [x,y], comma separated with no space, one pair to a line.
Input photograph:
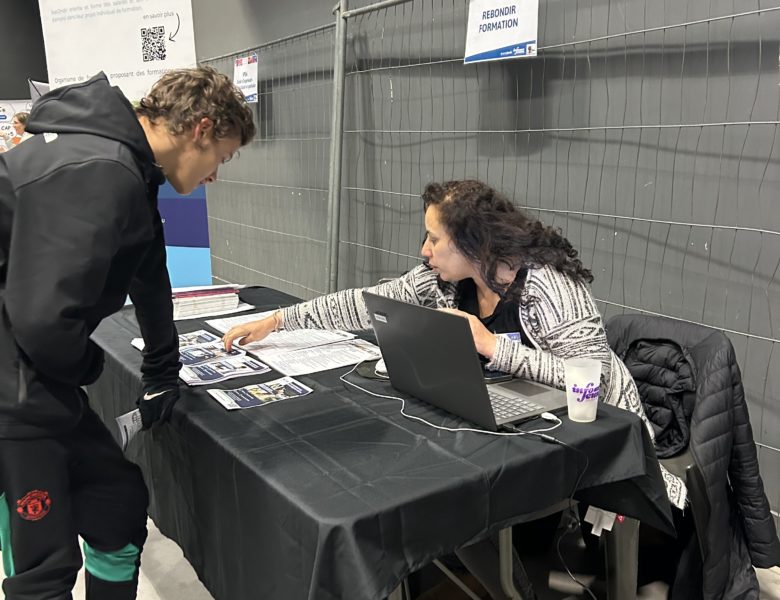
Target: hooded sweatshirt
[79,230]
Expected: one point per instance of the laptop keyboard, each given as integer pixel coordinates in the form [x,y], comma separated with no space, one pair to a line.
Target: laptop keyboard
[510,407]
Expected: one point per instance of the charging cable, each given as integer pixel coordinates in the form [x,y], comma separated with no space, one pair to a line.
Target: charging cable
[513,432]
[541,433]
[553,440]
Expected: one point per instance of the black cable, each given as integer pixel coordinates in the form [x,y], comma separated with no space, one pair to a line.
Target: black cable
[571,510]
[553,440]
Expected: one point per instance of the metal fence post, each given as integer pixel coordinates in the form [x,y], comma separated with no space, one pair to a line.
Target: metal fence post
[336,142]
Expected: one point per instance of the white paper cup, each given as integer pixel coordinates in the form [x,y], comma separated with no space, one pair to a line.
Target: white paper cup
[583,378]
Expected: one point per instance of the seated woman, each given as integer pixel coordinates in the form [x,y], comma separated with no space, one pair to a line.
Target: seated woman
[505,272]
[19,123]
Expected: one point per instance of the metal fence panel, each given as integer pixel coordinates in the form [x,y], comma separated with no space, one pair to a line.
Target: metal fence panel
[268,210]
[646,131]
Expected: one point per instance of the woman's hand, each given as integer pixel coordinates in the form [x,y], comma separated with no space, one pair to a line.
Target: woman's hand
[483,339]
[253,331]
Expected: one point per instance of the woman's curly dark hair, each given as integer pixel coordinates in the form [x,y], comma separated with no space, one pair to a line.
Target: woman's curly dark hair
[489,230]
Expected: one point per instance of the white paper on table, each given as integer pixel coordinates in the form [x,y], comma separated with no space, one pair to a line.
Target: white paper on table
[129,425]
[222,325]
[296,339]
[222,370]
[242,306]
[205,288]
[322,358]
[194,338]
[284,340]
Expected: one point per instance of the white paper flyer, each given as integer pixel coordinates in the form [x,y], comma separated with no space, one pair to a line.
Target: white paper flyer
[260,393]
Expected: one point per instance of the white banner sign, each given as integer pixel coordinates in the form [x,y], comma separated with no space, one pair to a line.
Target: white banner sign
[500,29]
[133,41]
[38,88]
[245,76]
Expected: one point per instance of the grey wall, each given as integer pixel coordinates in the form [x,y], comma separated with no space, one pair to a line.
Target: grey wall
[222,27]
[23,53]
[647,131]
[268,211]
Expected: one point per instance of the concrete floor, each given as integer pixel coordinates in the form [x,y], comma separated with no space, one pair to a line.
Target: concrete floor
[166,575]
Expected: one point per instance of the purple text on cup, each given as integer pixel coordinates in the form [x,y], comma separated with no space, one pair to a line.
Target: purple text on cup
[589,392]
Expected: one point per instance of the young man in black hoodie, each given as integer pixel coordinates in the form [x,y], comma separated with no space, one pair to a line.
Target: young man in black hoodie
[79,231]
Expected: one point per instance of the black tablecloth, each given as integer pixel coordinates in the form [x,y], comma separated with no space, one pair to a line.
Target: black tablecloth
[337,495]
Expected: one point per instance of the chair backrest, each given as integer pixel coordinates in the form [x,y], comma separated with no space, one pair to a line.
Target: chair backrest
[725,472]
[664,374]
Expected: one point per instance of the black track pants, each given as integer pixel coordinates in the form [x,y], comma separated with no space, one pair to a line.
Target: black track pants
[54,489]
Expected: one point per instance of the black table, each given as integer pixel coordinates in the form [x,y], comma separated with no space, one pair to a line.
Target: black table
[337,495]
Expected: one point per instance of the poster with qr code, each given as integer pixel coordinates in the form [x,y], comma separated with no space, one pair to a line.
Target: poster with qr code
[134,42]
[245,76]
[153,43]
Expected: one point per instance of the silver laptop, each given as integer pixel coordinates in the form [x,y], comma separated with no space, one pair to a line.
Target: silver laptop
[431,355]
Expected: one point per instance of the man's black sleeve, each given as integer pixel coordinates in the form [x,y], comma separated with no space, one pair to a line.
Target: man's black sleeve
[151,296]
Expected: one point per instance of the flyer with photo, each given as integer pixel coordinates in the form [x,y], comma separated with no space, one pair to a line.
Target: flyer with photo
[260,393]
[196,355]
[201,336]
[222,370]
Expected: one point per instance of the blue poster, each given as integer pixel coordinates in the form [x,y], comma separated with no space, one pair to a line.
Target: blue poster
[186,225]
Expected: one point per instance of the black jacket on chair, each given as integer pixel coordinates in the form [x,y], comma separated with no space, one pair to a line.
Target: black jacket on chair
[693,388]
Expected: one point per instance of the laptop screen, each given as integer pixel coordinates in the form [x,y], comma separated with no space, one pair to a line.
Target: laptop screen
[430,354]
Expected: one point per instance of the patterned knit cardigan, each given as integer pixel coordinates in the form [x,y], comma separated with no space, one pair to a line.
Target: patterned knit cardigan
[557,313]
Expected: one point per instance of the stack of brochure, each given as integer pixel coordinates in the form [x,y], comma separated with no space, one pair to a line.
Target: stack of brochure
[302,351]
[206,361]
[190,302]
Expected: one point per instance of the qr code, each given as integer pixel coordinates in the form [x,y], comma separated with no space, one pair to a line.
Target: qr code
[153,43]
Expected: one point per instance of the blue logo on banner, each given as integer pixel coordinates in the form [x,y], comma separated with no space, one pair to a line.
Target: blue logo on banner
[515,50]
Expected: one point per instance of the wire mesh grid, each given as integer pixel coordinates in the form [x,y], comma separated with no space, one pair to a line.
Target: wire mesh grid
[646,131]
[268,209]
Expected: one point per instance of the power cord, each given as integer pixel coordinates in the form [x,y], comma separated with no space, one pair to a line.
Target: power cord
[568,529]
[513,433]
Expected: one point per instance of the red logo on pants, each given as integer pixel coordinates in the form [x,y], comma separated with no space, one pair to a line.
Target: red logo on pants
[34,505]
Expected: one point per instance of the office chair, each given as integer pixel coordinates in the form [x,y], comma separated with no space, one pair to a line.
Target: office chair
[712,450]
